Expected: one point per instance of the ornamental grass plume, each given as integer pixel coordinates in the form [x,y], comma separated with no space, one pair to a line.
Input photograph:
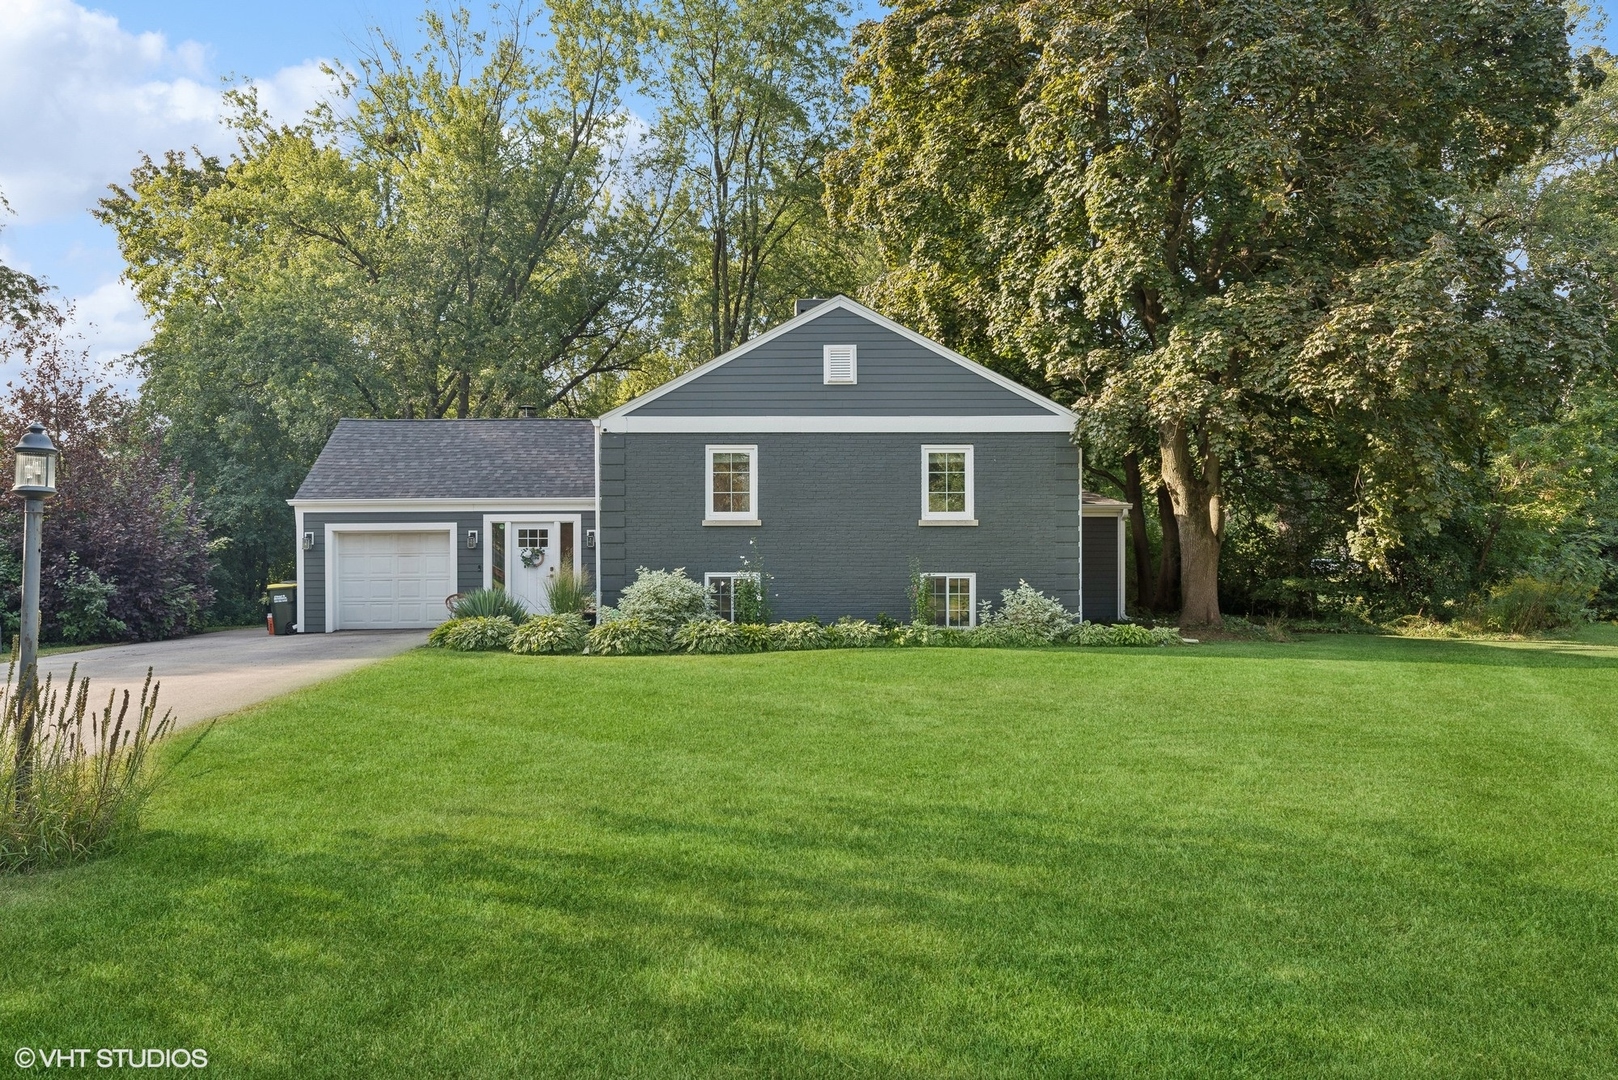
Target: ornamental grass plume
[73,781]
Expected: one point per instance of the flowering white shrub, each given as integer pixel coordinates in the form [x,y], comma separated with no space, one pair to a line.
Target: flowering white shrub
[1029,611]
[665,598]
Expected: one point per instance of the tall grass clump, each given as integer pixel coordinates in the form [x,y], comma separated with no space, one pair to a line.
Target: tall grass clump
[74,780]
[570,593]
[489,604]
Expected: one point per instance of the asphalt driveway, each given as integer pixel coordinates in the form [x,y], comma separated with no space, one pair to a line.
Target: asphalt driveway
[212,674]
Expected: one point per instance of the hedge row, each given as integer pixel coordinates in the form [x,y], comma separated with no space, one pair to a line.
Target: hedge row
[635,636]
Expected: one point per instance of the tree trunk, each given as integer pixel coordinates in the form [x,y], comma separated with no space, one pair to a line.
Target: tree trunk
[1192,478]
[1166,597]
[1137,533]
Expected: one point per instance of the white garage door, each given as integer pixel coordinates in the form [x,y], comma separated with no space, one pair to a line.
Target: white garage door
[388,580]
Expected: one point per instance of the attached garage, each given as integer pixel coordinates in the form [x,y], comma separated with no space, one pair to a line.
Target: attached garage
[392,580]
[398,515]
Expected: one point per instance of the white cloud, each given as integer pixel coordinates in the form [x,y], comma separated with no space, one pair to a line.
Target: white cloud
[113,323]
[82,98]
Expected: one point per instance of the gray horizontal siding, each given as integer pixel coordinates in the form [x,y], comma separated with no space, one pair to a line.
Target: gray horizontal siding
[1101,568]
[897,377]
[840,517]
[468,561]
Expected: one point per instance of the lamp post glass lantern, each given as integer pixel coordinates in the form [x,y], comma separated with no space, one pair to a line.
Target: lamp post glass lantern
[36,464]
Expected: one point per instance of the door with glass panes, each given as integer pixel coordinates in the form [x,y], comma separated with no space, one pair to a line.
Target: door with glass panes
[527,556]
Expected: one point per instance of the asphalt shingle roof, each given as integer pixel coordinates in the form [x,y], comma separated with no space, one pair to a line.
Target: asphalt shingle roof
[455,459]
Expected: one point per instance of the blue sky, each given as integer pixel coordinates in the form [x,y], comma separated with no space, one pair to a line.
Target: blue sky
[86,86]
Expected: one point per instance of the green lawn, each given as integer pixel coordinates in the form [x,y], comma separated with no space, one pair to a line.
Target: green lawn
[1345,857]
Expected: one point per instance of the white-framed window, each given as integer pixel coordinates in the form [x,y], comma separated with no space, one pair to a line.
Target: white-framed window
[946,483]
[841,365]
[732,483]
[954,598]
[722,587]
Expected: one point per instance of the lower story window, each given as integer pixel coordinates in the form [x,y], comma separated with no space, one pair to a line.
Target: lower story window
[735,596]
[953,598]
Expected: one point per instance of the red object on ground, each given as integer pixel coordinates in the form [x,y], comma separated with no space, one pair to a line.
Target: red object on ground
[269,624]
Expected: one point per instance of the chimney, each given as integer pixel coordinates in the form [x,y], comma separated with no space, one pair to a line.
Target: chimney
[527,412]
[802,306]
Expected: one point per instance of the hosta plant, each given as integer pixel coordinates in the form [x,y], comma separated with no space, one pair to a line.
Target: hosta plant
[848,633]
[711,636]
[551,635]
[477,634]
[791,636]
[627,635]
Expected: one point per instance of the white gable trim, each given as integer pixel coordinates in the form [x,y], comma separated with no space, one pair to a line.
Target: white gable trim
[740,425]
[840,303]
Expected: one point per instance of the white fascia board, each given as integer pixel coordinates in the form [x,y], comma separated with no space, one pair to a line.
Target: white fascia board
[726,425]
[366,506]
[841,303]
[1107,510]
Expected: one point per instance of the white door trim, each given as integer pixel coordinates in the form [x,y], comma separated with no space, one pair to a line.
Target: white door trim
[513,517]
[333,531]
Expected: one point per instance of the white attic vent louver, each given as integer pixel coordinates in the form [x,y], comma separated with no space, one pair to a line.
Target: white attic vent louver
[841,365]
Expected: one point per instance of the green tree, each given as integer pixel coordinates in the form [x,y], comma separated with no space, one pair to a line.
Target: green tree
[750,103]
[1227,230]
[462,234]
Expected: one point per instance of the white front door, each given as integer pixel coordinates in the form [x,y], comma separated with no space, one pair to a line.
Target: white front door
[533,553]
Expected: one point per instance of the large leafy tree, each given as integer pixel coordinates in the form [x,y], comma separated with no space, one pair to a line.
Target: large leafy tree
[458,234]
[750,103]
[1228,230]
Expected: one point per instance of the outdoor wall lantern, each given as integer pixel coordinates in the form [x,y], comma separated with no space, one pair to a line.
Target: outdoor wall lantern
[471,538]
[308,541]
[589,538]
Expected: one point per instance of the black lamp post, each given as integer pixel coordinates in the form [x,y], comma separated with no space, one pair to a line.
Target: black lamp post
[36,482]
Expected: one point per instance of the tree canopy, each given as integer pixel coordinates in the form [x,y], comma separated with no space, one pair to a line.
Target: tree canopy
[1230,232]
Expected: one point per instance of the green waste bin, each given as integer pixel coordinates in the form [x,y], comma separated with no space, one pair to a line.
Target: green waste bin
[284,606]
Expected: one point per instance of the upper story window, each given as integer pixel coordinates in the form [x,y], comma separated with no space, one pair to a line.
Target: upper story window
[841,365]
[946,492]
[732,484]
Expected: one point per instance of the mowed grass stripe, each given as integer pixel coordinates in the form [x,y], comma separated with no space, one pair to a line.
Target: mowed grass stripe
[1347,857]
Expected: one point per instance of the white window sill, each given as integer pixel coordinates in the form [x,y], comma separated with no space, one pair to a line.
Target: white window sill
[947,521]
[731,521]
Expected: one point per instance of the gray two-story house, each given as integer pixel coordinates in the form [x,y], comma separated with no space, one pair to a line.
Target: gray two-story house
[834,456]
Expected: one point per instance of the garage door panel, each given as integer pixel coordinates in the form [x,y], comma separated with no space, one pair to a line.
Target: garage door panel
[391,580]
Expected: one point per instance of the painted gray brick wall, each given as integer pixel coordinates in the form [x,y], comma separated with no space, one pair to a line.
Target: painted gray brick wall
[468,561]
[840,515]
[1101,569]
[897,377]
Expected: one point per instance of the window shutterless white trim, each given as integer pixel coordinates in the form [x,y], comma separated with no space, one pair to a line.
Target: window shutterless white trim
[600,532]
[334,530]
[710,516]
[972,594]
[840,365]
[835,425]
[958,517]
[731,575]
